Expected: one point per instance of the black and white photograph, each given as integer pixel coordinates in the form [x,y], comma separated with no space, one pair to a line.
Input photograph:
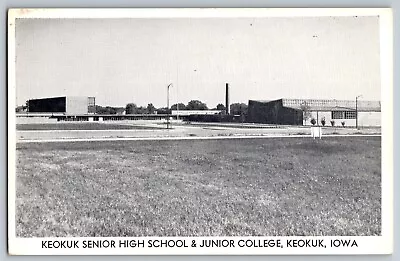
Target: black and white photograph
[200,124]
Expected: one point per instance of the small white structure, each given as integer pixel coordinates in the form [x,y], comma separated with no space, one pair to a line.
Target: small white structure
[316,132]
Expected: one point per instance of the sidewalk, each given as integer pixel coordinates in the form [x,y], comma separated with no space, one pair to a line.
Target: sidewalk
[185,131]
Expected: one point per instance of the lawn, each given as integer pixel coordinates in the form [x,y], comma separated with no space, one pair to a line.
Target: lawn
[80,126]
[240,187]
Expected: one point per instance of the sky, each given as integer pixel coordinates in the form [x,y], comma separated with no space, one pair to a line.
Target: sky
[120,61]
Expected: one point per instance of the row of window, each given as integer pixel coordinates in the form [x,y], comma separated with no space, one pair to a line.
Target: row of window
[343,115]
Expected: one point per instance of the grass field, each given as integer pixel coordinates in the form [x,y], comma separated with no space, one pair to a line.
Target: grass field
[285,186]
[81,126]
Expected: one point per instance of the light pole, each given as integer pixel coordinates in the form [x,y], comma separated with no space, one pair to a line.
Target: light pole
[359,96]
[177,111]
[169,85]
[177,94]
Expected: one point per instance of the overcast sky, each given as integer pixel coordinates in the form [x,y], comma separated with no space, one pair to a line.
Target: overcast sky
[133,60]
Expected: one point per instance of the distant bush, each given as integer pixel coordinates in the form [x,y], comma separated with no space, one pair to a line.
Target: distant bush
[313,121]
[213,118]
[333,123]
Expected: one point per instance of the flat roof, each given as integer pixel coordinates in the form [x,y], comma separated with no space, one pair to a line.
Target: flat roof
[57,97]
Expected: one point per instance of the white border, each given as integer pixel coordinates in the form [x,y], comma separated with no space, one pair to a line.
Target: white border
[366,245]
[193,12]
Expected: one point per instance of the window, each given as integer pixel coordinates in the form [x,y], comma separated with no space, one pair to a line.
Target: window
[337,115]
[343,115]
[349,114]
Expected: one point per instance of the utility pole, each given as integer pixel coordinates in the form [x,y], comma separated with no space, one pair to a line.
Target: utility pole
[168,116]
[177,94]
[177,110]
[359,96]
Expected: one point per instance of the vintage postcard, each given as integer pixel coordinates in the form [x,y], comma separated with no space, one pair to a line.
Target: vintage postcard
[200,131]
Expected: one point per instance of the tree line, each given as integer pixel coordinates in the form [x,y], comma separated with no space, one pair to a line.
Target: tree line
[132,108]
[235,108]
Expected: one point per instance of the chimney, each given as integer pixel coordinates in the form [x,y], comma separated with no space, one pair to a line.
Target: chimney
[227,98]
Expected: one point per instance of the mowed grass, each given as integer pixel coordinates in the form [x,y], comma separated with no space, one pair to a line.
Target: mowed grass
[240,187]
[80,126]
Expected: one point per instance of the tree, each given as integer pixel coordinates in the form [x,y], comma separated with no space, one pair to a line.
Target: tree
[21,108]
[131,108]
[163,110]
[181,106]
[221,107]
[196,105]
[141,110]
[108,110]
[150,108]
[306,111]
[238,109]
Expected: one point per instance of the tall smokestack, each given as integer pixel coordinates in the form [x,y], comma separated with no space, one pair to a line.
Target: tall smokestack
[227,98]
